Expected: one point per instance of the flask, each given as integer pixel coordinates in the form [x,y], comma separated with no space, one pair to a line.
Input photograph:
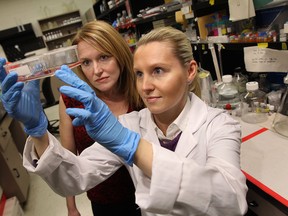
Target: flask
[280,122]
[253,104]
[228,96]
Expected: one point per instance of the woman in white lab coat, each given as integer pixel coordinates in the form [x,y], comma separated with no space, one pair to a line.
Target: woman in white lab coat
[183,155]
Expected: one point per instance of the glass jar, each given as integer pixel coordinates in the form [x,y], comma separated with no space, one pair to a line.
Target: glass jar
[253,104]
[264,84]
[240,80]
[228,95]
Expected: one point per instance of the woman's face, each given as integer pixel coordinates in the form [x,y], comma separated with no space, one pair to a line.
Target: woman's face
[162,81]
[100,69]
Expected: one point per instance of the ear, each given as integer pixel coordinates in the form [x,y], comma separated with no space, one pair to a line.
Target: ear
[191,71]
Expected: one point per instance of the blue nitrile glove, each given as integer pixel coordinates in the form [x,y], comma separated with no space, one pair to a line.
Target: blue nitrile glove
[2,70]
[22,102]
[100,123]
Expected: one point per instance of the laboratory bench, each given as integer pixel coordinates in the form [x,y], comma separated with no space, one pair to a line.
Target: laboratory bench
[264,161]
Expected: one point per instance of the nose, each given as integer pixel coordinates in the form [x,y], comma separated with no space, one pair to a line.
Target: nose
[97,69]
[147,83]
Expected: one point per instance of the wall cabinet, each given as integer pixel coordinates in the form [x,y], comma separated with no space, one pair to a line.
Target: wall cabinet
[58,31]
[14,178]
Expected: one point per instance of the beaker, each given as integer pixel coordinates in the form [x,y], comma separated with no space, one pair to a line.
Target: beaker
[280,123]
[205,81]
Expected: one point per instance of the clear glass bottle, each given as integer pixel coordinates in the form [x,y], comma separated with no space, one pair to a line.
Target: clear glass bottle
[123,17]
[118,19]
[264,84]
[228,95]
[254,104]
[280,123]
[240,80]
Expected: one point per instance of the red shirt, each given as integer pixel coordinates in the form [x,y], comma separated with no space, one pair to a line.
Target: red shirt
[116,189]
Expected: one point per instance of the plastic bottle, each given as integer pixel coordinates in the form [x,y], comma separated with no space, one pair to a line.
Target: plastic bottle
[253,104]
[228,96]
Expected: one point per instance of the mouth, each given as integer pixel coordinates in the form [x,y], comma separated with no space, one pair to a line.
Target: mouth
[103,79]
[152,99]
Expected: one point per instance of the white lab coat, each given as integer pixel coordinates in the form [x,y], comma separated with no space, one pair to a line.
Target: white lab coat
[202,176]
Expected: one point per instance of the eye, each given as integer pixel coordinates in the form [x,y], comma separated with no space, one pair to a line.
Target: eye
[104,57]
[158,71]
[85,63]
[138,74]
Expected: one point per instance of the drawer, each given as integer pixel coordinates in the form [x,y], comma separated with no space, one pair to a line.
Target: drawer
[14,178]
[5,136]
[261,206]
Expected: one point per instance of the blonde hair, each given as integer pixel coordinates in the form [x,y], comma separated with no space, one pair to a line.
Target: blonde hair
[181,48]
[104,38]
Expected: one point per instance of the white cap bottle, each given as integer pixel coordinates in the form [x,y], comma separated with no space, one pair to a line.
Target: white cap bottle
[253,104]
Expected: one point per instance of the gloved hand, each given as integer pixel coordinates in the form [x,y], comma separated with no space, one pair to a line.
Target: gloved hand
[100,123]
[22,102]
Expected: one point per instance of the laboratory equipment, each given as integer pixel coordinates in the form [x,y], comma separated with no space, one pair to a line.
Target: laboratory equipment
[44,65]
[228,96]
[240,80]
[280,123]
[205,85]
[254,104]
[264,84]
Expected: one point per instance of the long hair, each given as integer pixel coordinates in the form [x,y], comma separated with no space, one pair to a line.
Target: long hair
[104,38]
[181,48]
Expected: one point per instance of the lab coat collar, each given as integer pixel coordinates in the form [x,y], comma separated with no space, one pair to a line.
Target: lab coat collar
[198,113]
[196,117]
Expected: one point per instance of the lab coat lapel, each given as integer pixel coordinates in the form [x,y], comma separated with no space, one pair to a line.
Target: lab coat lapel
[186,144]
[147,130]
[197,117]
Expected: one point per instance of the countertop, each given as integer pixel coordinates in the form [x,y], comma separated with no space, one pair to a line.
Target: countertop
[264,158]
